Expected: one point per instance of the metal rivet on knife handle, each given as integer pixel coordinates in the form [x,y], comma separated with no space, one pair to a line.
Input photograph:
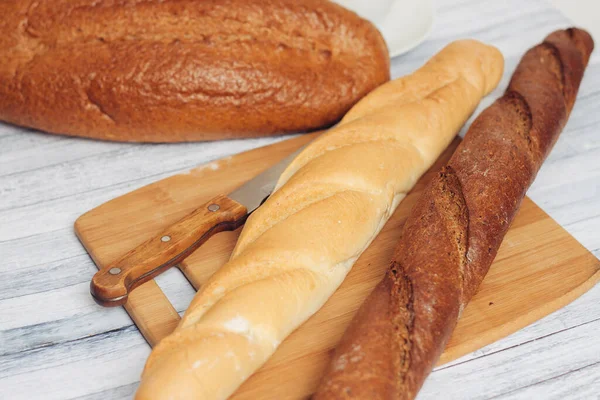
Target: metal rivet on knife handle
[111,285]
[221,213]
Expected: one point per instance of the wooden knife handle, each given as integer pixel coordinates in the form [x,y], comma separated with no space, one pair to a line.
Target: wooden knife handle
[112,284]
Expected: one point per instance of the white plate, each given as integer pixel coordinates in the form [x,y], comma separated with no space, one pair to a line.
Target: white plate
[407,24]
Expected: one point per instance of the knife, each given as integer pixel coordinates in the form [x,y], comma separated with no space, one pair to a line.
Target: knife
[112,284]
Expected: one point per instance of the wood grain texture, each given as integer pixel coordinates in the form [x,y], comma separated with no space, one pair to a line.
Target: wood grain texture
[522,285]
[53,336]
[112,285]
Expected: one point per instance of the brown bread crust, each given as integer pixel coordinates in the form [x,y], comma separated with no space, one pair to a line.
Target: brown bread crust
[181,70]
[455,229]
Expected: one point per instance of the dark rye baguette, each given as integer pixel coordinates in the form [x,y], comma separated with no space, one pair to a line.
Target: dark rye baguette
[168,71]
[454,231]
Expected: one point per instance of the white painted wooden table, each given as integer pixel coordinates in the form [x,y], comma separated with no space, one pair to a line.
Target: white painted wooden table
[56,343]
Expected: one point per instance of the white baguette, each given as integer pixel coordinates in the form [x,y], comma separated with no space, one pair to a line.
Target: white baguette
[329,205]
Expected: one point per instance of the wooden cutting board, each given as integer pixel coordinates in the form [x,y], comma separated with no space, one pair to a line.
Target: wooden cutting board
[539,269]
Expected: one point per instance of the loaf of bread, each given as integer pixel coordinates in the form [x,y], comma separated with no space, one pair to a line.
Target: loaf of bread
[454,231]
[329,204]
[169,71]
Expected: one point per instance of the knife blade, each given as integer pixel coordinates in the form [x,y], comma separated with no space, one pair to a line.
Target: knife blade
[112,284]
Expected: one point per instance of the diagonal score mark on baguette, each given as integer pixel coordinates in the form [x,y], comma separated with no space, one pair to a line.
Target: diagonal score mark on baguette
[354,129]
[330,203]
[324,176]
[355,135]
